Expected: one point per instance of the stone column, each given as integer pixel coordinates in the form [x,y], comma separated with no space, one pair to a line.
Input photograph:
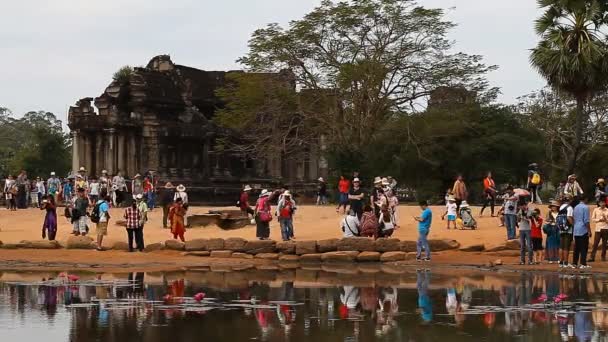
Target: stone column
[132,156]
[99,158]
[121,154]
[110,148]
[206,161]
[75,151]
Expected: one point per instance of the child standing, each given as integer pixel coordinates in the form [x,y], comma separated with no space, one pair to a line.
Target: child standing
[450,211]
[537,237]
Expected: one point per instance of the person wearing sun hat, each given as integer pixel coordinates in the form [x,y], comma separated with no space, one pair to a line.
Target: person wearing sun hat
[572,187]
[552,232]
[180,193]
[166,195]
[137,186]
[356,198]
[263,215]
[376,194]
[286,209]
[600,218]
[243,203]
[600,190]
[321,192]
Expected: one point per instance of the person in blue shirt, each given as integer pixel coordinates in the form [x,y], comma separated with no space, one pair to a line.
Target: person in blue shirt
[582,233]
[424,227]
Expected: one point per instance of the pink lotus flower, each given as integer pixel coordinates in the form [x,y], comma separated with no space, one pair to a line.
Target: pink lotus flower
[73,277]
[62,275]
[167,298]
[542,298]
[199,296]
[560,298]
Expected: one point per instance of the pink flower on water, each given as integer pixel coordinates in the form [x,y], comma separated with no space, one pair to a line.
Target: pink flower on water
[199,296]
[542,298]
[560,298]
[62,275]
[73,277]
[167,298]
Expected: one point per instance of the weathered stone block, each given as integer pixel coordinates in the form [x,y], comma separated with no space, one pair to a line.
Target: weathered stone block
[360,244]
[368,256]
[196,245]
[221,254]
[235,244]
[175,245]
[238,255]
[443,245]
[473,248]
[393,256]
[329,245]
[215,244]
[387,245]
[41,244]
[408,246]
[260,246]
[197,254]
[311,258]
[286,247]
[154,247]
[267,256]
[512,245]
[306,247]
[80,242]
[292,258]
[342,256]
[120,246]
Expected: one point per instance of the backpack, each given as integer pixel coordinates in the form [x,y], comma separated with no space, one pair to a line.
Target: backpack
[286,211]
[264,210]
[561,221]
[95,215]
[535,178]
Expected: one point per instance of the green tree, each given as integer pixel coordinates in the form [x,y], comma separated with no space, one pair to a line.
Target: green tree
[571,55]
[365,62]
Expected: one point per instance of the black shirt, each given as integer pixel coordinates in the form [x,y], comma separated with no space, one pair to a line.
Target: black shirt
[356,205]
[166,196]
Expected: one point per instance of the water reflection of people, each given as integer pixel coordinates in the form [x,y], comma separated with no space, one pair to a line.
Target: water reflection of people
[350,300]
[424,301]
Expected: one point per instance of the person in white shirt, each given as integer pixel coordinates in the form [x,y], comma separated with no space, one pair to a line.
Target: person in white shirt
[450,211]
[350,224]
[94,187]
[40,190]
[119,186]
[572,188]
[180,192]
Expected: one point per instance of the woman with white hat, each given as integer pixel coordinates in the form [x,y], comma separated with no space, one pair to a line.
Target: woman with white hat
[137,186]
[322,192]
[263,215]
[180,193]
[600,190]
[243,203]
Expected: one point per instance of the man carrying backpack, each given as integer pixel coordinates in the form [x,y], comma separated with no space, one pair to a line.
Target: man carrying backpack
[100,216]
[565,225]
[534,183]
[286,209]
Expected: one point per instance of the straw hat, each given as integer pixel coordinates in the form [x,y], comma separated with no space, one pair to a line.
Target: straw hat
[139,196]
[168,185]
[321,179]
[137,175]
[377,180]
[287,193]
[52,173]
[385,181]
[572,176]
[181,188]
[247,188]
[451,198]
[464,204]
[82,168]
[104,171]
[356,180]
[554,204]
[264,193]
[601,180]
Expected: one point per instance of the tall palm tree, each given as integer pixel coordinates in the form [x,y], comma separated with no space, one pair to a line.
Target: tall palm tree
[571,55]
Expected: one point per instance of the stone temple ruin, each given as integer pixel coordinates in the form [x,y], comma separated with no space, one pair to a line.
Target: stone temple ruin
[158,119]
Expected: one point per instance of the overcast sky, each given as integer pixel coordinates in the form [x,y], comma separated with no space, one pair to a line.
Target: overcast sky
[53,52]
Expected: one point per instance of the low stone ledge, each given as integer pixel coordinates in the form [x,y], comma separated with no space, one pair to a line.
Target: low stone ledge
[267,256]
[154,247]
[341,256]
[197,254]
[288,257]
[360,244]
[393,256]
[175,245]
[196,245]
[368,256]
[311,258]
[221,254]
[235,244]
[387,245]
[80,242]
[306,247]
[215,244]
[40,244]
[239,255]
[328,245]
[286,247]
[260,246]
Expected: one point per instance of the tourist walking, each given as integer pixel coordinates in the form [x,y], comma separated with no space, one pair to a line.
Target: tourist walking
[321,192]
[552,232]
[356,198]
[375,195]
[79,213]
[424,227]
[534,182]
[244,202]
[22,190]
[536,235]
[525,238]
[40,190]
[10,193]
[564,222]
[143,209]
[180,193]
[263,216]
[393,206]
[600,190]
[459,190]
[53,185]
[368,223]
[510,212]
[286,208]
[120,187]
[450,212]
[177,215]
[94,188]
[133,218]
[104,183]
[49,227]
[572,188]
[582,234]
[101,216]
[600,218]
[350,224]
[489,193]
[137,186]
[166,196]
[68,191]
[149,192]
[343,189]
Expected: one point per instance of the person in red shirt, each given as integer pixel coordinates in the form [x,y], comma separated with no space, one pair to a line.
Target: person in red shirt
[244,202]
[537,237]
[343,188]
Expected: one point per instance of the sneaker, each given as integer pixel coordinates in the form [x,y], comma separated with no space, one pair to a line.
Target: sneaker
[531,263]
[570,266]
[582,267]
[522,263]
[419,259]
[427,259]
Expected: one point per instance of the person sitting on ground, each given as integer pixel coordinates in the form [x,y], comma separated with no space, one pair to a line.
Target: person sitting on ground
[387,226]
[369,222]
[350,224]
[450,212]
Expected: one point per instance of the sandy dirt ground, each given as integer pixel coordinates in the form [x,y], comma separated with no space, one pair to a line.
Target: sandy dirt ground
[310,223]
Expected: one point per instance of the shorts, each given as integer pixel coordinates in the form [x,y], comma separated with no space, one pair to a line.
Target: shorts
[565,241]
[102,228]
[537,244]
[80,225]
[451,217]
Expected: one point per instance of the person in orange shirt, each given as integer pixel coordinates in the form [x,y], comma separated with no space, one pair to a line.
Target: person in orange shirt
[489,192]
[343,188]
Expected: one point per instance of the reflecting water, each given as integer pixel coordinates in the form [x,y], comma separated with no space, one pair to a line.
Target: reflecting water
[417,306]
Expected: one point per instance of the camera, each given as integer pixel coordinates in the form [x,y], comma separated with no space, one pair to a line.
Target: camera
[511,207]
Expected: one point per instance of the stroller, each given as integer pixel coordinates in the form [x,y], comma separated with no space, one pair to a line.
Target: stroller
[466,216]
